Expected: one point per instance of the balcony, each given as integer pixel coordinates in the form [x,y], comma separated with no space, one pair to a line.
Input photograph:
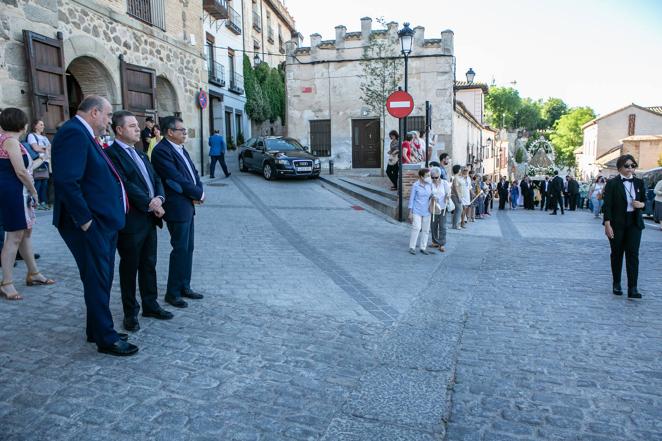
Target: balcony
[216,8]
[234,22]
[237,84]
[281,45]
[216,73]
[257,21]
[151,12]
[270,35]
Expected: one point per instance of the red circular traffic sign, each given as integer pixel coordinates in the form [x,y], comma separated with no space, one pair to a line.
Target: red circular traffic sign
[399,104]
[203,99]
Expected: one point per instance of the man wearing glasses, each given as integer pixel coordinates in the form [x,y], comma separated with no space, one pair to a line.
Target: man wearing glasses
[624,199]
[183,190]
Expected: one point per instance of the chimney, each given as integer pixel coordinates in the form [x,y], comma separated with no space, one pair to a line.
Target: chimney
[340,36]
[419,36]
[315,40]
[447,42]
[392,30]
[366,28]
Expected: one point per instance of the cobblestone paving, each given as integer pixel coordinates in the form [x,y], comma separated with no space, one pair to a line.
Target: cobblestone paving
[317,324]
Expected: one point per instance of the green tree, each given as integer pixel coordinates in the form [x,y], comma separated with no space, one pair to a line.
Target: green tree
[380,78]
[502,104]
[519,155]
[256,103]
[568,135]
[528,115]
[551,111]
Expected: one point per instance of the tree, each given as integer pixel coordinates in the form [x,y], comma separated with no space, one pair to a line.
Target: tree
[380,78]
[519,155]
[502,104]
[568,135]
[256,105]
[265,92]
[528,115]
[551,111]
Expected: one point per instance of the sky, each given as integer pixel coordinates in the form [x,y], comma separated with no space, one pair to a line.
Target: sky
[604,54]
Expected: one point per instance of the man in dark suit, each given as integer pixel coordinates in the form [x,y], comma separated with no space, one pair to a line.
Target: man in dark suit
[146,133]
[90,208]
[502,190]
[544,193]
[183,190]
[136,243]
[556,192]
[624,198]
[573,192]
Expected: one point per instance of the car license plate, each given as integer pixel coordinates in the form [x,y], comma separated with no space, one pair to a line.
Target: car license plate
[304,169]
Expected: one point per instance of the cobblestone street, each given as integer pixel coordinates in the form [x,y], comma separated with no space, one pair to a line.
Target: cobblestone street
[317,324]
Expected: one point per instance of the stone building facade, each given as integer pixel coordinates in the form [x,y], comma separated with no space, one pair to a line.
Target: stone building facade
[269,25]
[143,55]
[324,106]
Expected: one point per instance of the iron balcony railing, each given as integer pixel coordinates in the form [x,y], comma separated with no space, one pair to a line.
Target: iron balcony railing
[151,12]
[216,8]
[257,21]
[234,22]
[216,73]
[237,83]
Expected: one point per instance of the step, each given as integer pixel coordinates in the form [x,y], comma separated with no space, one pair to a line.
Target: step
[380,203]
[380,191]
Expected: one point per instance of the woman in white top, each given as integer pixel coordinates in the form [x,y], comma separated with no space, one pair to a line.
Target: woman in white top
[596,196]
[41,170]
[658,202]
[465,195]
[441,193]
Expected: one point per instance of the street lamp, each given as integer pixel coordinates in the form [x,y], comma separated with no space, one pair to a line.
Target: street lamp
[256,60]
[470,76]
[406,35]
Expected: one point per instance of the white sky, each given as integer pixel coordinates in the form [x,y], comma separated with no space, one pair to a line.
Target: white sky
[599,53]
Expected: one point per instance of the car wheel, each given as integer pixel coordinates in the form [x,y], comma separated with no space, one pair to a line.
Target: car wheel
[268,171]
[242,165]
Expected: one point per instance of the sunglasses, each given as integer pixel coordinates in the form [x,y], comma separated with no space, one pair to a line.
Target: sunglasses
[630,166]
[435,177]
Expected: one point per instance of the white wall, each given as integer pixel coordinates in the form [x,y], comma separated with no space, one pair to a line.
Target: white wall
[613,128]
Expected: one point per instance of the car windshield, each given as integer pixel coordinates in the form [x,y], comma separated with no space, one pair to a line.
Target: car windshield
[283,144]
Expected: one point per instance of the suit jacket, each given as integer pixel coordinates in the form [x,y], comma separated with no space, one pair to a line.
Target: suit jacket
[502,188]
[85,186]
[544,187]
[139,215]
[180,189]
[616,202]
[556,185]
[573,187]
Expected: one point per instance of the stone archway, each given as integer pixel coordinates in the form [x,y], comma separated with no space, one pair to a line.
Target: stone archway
[88,76]
[167,102]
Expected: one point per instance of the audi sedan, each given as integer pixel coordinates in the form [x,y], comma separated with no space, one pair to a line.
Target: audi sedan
[278,156]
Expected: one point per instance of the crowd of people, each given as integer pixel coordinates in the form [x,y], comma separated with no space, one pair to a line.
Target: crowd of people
[108,197]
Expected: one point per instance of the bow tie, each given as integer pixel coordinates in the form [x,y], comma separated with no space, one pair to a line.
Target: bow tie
[627,180]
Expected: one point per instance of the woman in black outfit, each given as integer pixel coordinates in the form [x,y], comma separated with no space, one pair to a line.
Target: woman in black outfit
[624,198]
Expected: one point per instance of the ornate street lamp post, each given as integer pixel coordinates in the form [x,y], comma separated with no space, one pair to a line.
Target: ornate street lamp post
[470,76]
[256,60]
[406,35]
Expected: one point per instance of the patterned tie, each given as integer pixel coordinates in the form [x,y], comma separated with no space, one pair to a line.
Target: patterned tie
[117,176]
[143,171]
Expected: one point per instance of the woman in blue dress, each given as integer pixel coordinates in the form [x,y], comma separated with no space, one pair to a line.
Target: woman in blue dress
[514,194]
[17,208]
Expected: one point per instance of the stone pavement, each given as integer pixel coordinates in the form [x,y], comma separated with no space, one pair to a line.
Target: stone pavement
[317,324]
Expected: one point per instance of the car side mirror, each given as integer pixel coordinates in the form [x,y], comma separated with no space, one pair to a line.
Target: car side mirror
[306,148]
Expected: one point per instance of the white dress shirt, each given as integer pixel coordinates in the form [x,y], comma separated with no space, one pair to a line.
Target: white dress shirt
[630,192]
[180,150]
[131,151]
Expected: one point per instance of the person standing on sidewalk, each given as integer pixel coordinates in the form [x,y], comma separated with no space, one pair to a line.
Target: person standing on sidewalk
[393,159]
[544,194]
[440,194]
[573,192]
[596,194]
[502,191]
[556,189]
[658,202]
[419,211]
[456,197]
[217,149]
[624,199]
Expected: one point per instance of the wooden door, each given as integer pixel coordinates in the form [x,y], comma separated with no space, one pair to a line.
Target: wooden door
[366,152]
[138,90]
[46,75]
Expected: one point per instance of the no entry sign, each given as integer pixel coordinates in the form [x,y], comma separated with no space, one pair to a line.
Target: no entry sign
[399,104]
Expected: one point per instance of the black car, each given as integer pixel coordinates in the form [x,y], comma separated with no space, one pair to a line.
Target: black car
[278,156]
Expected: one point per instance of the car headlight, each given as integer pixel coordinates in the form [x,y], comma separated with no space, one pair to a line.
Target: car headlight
[317,162]
[283,161]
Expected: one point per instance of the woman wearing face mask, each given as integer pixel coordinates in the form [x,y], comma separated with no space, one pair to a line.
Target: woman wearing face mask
[624,199]
[419,211]
[440,195]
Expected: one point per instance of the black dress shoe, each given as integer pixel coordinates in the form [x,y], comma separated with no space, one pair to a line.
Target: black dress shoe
[121,335]
[177,303]
[160,314]
[131,324]
[633,293]
[617,289]
[120,348]
[192,295]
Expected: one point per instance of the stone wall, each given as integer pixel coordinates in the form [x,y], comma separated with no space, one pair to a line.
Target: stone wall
[95,34]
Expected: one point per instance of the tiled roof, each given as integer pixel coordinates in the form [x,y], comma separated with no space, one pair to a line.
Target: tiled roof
[459,85]
[656,109]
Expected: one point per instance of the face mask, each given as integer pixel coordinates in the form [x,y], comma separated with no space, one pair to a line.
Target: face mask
[428,180]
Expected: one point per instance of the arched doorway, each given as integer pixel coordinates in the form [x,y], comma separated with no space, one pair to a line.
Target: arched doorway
[166,98]
[88,76]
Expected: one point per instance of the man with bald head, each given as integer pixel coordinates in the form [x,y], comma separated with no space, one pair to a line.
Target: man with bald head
[90,208]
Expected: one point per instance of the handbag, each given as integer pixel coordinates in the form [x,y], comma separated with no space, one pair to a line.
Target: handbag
[41,172]
[450,205]
[434,207]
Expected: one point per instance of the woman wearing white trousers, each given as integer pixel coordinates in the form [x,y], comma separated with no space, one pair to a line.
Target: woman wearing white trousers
[419,211]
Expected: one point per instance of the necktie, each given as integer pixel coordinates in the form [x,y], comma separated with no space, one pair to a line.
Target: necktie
[117,176]
[143,171]
[627,179]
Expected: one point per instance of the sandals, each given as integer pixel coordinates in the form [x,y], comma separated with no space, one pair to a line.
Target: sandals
[30,281]
[7,296]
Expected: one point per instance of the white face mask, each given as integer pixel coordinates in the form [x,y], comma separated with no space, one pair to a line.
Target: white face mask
[428,180]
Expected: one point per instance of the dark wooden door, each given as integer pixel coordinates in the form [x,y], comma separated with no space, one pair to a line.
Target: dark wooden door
[46,75]
[365,143]
[138,90]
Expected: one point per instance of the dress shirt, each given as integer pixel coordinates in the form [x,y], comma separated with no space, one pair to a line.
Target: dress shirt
[131,151]
[629,192]
[180,150]
[419,200]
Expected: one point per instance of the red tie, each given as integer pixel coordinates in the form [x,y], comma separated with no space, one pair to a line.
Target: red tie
[117,176]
